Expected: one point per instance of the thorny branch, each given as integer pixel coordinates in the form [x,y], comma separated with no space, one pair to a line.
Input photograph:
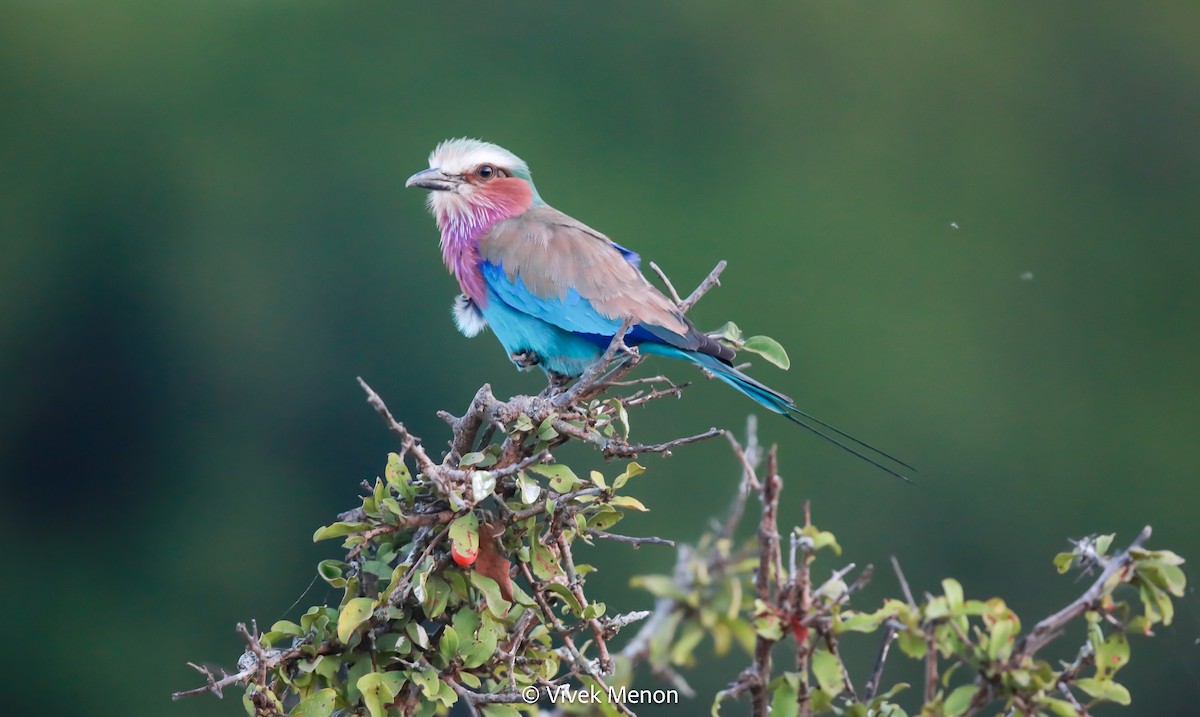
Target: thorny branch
[790,608]
[573,414]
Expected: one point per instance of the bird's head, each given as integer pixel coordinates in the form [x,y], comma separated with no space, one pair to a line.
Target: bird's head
[469,177]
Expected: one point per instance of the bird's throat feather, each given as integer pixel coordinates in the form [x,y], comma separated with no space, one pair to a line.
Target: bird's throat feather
[465,219]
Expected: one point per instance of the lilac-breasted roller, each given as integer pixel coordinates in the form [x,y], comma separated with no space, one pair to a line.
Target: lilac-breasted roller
[554,290]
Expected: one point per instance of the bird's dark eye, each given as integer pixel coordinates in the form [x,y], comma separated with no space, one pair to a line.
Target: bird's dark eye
[486,171]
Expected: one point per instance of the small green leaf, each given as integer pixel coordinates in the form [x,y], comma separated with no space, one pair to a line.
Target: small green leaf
[562,478]
[633,469]
[598,479]
[428,681]
[464,536]
[530,490]
[828,672]
[545,431]
[959,700]
[728,334]
[496,604]
[318,704]
[769,626]
[331,571]
[769,349]
[1062,708]
[379,689]
[1063,561]
[448,643]
[470,459]
[1104,690]
[569,597]
[355,613]
[482,485]
[954,594]
[785,696]
[1111,655]
[337,530]
[625,501]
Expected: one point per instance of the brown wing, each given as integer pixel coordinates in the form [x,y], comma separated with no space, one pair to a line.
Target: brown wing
[552,253]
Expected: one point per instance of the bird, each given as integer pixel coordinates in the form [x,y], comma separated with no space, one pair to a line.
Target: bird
[556,292]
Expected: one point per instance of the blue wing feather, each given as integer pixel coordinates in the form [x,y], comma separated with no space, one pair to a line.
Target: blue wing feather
[571,313]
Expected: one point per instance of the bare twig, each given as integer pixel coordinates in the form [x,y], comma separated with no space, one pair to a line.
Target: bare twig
[713,279]
[617,450]
[670,287]
[635,542]
[872,687]
[408,441]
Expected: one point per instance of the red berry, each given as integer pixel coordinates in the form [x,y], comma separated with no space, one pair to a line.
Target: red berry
[463,559]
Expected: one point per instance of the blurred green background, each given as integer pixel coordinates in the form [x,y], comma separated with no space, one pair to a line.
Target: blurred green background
[206,238]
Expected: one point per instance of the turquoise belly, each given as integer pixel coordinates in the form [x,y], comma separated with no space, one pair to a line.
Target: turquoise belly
[557,350]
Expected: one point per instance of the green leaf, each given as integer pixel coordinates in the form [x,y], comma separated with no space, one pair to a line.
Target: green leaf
[850,621]
[1104,690]
[397,476]
[562,478]
[784,698]
[428,681]
[545,565]
[464,536]
[1062,708]
[379,689]
[633,469]
[1063,561]
[482,485]
[606,517]
[337,530]
[331,571]
[530,490]
[684,649]
[959,700]
[769,626]
[828,672]
[954,594]
[416,633]
[496,604]
[448,643]
[769,349]
[545,431]
[626,501]
[318,704]
[598,479]
[569,597]
[1112,655]
[484,648]
[355,613]
[912,644]
[728,334]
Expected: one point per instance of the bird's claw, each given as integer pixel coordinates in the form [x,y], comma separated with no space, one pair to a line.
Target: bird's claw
[557,383]
[524,360]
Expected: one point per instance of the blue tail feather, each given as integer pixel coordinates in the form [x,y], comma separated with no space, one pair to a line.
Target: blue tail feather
[777,402]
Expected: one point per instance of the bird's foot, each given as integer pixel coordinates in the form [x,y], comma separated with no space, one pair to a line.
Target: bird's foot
[524,360]
[557,384]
